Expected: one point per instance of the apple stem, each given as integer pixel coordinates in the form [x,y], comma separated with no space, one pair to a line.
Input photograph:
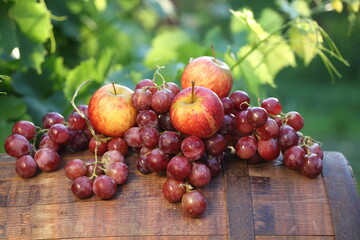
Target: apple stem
[192,91]
[113,84]
[213,52]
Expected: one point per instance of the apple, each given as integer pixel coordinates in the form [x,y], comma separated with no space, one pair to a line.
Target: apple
[197,111]
[208,72]
[111,111]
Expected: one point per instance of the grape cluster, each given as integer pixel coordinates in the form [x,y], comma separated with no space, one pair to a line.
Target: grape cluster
[188,161]
[37,148]
[264,132]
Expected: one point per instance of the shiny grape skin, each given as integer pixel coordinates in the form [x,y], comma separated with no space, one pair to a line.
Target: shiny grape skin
[193,203]
[24,128]
[82,187]
[104,187]
[75,168]
[228,105]
[147,118]
[179,167]
[272,105]
[161,101]
[216,144]
[47,159]
[118,144]
[16,145]
[242,124]
[173,190]
[149,137]
[118,171]
[110,157]
[246,147]
[170,142]
[287,137]
[26,166]
[141,99]
[58,133]
[52,118]
[312,166]
[295,120]
[240,99]
[76,122]
[193,147]
[146,83]
[200,175]
[269,130]
[102,145]
[156,160]
[257,116]
[294,157]
[269,149]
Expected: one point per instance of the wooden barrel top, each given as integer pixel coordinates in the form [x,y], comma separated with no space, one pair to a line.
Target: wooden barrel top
[264,201]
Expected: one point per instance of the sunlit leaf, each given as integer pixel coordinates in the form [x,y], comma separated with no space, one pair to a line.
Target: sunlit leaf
[270,20]
[164,45]
[305,39]
[337,5]
[33,19]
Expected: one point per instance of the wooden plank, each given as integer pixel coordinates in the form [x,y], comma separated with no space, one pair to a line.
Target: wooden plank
[343,196]
[295,238]
[287,203]
[44,207]
[239,205]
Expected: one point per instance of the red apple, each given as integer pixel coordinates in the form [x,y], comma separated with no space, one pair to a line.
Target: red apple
[208,72]
[197,111]
[111,111]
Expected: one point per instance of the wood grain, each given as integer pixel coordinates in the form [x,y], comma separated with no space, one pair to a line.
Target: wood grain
[264,201]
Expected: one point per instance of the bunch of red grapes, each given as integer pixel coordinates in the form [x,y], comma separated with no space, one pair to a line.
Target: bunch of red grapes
[253,133]
[38,149]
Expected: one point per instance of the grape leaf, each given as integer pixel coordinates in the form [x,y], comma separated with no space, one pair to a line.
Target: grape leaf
[270,20]
[8,40]
[305,39]
[164,47]
[33,19]
[12,107]
[31,53]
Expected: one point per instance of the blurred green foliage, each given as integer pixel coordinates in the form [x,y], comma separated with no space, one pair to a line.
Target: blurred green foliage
[281,48]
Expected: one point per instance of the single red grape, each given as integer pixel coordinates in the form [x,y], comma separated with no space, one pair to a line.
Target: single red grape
[194,203]
[82,187]
[25,128]
[16,145]
[173,189]
[26,166]
[104,187]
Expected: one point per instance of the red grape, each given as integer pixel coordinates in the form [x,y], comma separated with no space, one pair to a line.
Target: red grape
[118,171]
[287,137]
[294,157]
[242,124]
[16,145]
[193,147]
[76,121]
[193,203]
[156,160]
[110,157]
[90,165]
[216,144]
[146,83]
[173,189]
[77,140]
[272,105]
[257,116]
[102,145]
[295,120]
[228,105]
[173,87]
[25,128]
[269,149]
[26,166]
[58,133]
[161,101]
[82,187]
[46,142]
[141,99]
[75,168]
[214,164]
[228,125]
[52,118]
[179,167]
[246,147]
[170,142]
[316,148]
[84,109]
[47,159]
[165,122]
[269,130]
[104,187]
[118,144]
[133,137]
[141,164]
[200,174]
[149,137]
[240,99]
[147,118]
[312,165]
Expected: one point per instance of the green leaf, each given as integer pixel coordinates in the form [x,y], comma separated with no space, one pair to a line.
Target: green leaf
[164,47]
[11,107]
[254,70]
[305,39]
[8,40]
[270,20]
[31,53]
[277,54]
[86,70]
[33,19]
[216,38]
[104,63]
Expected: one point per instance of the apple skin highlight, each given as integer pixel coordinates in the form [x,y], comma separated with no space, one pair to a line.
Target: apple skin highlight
[112,114]
[202,117]
[208,72]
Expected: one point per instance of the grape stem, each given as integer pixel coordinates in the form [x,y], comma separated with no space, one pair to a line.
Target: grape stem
[92,131]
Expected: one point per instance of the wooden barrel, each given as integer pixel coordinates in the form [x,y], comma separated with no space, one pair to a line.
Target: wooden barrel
[265,201]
